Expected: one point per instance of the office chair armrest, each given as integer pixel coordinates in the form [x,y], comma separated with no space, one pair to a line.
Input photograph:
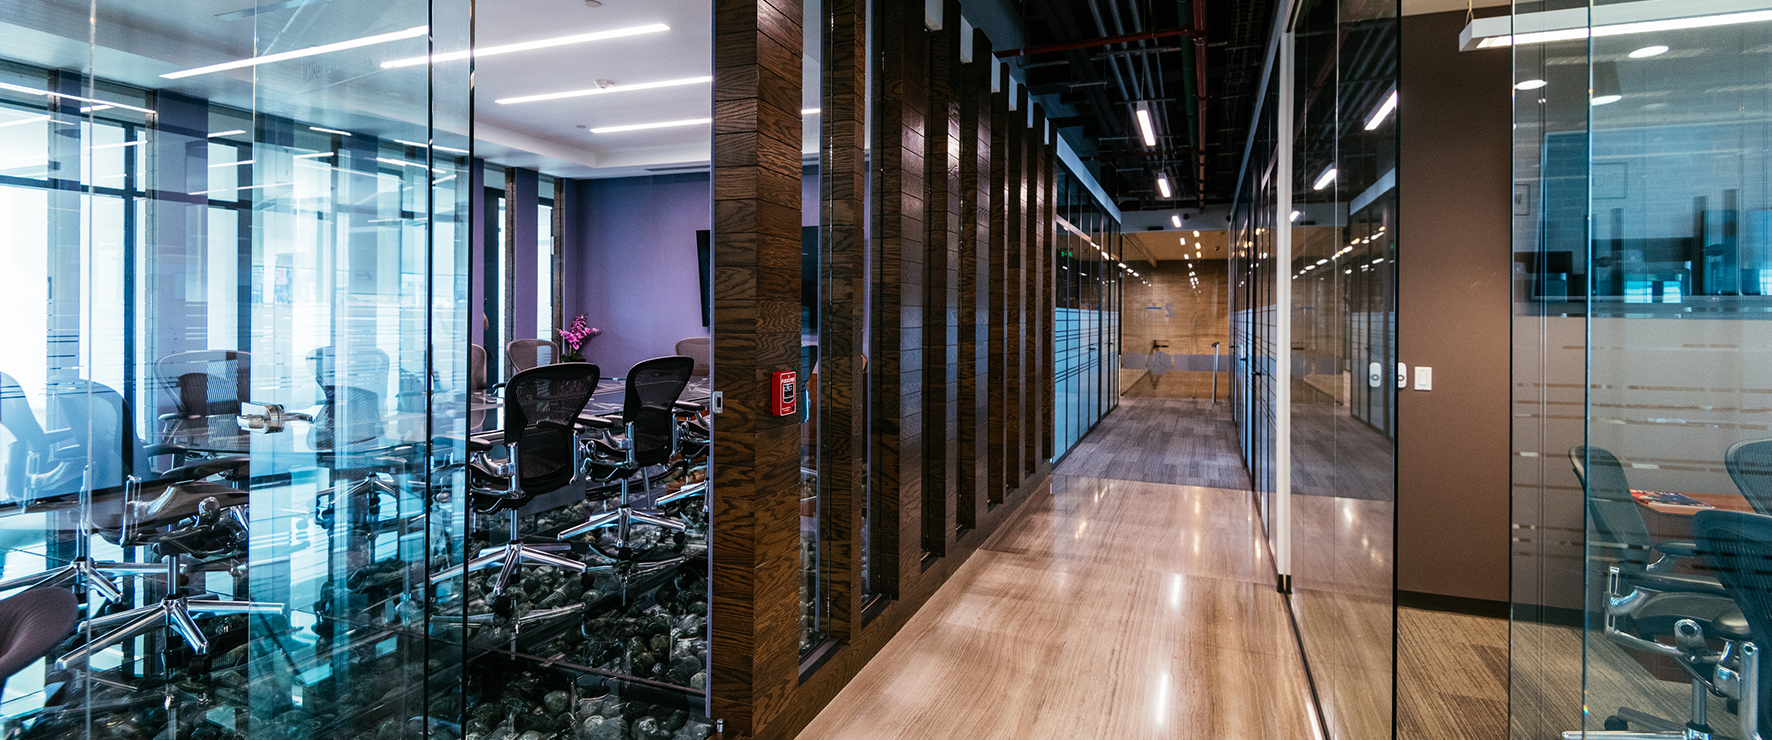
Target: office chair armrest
[690,406]
[556,426]
[206,468]
[1675,583]
[598,422]
[1677,548]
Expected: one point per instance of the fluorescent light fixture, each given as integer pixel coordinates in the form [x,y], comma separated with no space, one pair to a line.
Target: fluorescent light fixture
[235,132]
[1324,179]
[1530,84]
[329,131]
[1383,112]
[1296,214]
[1649,51]
[243,187]
[438,147]
[1143,114]
[313,155]
[96,108]
[1122,265]
[809,111]
[1607,99]
[230,164]
[1175,219]
[645,126]
[283,56]
[23,121]
[94,101]
[1622,19]
[1163,185]
[606,90]
[1322,262]
[487,51]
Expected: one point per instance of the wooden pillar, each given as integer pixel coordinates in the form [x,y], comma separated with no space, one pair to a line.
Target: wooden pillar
[941,307]
[756,332]
[975,283]
[1015,305]
[898,288]
[997,483]
[842,377]
[1032,407]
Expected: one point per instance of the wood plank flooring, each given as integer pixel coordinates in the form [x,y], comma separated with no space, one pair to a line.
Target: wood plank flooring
[1178,441]
[1110,609]
[1451,676]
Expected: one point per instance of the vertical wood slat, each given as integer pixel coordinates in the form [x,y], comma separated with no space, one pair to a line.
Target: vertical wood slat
[1014,307]
[996,482]
[975,284]
[1036,265]
[898,286]
[756,455]
[941,330]
[842,390]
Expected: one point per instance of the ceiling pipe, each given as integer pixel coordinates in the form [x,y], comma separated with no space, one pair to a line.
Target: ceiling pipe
[1197,91]
[1091,43]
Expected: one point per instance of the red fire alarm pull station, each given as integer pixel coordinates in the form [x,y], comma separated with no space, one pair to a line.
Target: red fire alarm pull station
[787,393]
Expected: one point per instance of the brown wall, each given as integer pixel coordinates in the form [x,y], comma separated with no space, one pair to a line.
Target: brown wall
[1454,304]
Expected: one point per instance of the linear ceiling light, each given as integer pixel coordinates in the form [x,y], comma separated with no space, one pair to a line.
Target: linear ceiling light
[1324,179]
[1145,129]
[1175,219]
[1530,84]
[23,121]
[1163,185]
[606,90]
[233,132]
[329,131]
[1646,16]
[438,147]
[487,51]
[644,126]
[1383,112]
[1649,51]
[95,101]
[380,38]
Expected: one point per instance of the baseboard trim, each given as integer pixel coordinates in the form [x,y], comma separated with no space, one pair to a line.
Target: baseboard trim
[1455,604]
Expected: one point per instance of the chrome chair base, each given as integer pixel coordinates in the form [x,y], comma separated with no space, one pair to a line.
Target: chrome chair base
[174,612]
[93,573]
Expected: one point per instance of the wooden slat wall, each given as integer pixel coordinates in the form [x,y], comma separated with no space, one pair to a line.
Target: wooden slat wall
[959,366]
[975,283]
[756,183]
[842,377]
[898,287]
[941,325]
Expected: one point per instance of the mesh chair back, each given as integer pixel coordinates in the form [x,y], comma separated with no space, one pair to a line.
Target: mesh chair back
[476,368]
[363,368]
[1617,521]
[23,437]
[541,406]
[1750,465]
[700,349]
[653,387]
[523,354]
[100,423]
[1739,546]
[207,382]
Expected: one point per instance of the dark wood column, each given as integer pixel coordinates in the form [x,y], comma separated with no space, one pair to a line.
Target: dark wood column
[1049,304]
[1035,257]
[842,428]
[756,332]
[975,283]
[898,291]
[941,307]
[997,483]
[1015,299]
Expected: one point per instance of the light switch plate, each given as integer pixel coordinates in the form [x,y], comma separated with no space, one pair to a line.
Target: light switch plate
[1424,378]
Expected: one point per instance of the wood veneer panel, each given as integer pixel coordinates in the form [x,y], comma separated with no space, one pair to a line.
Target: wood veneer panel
[756,286]
[972,453]
[842,392]
[996,482]
[941,329]
[898,289]
[1034,263]
[1015,299]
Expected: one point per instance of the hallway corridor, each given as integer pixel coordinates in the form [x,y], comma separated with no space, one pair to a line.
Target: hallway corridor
[1105,609]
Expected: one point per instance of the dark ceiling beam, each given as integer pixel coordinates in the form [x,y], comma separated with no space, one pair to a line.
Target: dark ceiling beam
[1092,43]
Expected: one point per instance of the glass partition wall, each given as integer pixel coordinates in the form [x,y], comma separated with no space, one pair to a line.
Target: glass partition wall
[1086,312]
[1642,233]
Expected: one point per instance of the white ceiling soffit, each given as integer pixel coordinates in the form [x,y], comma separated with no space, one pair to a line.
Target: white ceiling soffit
[1423,7]
[1623,19]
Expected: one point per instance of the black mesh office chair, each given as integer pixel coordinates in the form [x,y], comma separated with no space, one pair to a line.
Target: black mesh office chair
[34,466]
[1645,600]
[477,387]
[1738,546]
[524,354]
[542,405]
[351,393]
[1750,466]
[648,420]
[205,383]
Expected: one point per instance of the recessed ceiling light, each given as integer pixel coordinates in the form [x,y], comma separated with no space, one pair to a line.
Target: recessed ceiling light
[1530,84]
[605,90]
[233,132]
[1649,51]
[644,126]
[329,131]
[95,101]
[380,38]
[487,51]
[1607,99]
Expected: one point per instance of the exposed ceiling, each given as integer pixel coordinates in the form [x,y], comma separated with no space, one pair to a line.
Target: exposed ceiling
[1195,63]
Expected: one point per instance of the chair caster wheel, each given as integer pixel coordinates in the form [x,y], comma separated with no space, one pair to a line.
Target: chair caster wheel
[1616,724]
[501,605]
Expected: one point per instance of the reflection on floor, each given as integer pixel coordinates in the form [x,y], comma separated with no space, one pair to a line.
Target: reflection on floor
[1341,565]
[1177,441]
[1547,679]
[1451,676]
[1109,609]
[1334,454]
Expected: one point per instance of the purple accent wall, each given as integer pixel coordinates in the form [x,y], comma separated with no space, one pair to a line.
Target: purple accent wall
[631,270]
[524,205]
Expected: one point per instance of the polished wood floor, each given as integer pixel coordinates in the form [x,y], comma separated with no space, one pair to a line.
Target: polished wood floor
[1110,609]
[1162,440]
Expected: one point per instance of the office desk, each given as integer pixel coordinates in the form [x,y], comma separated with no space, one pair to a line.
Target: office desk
[1674,522]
